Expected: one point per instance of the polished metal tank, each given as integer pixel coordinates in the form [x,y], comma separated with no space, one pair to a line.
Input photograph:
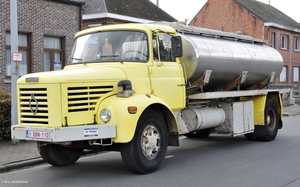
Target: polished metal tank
[227,60]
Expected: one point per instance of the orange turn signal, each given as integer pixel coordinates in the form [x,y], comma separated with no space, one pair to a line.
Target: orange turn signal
[132,109]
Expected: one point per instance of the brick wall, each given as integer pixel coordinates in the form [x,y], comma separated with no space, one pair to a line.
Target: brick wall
[228,16]
[1,57]
[39,18]
[291,58]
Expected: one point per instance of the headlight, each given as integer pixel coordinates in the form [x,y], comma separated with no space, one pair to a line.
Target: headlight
[105,115]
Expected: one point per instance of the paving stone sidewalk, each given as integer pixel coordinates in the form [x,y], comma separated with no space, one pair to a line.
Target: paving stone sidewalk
[25,154]
[14,156]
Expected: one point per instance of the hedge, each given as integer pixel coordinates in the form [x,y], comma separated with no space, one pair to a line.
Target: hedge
[5,115]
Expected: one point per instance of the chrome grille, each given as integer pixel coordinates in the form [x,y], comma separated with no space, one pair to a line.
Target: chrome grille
[33,105]
[85,98]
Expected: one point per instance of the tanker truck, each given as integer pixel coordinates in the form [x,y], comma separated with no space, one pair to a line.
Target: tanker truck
[137,88]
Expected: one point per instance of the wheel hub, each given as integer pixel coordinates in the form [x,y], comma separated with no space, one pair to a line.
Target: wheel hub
[150,142]
[270,120]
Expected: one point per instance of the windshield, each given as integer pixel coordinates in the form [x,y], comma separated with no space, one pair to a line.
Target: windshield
[110,47]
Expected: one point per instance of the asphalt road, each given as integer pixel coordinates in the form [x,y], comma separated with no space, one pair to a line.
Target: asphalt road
[216,161]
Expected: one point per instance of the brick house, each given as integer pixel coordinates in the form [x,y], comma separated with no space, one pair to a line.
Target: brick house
[259,20]
[101,12]
[45,35]
[47,27]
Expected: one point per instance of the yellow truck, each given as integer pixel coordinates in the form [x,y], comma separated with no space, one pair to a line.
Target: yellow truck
[137,88]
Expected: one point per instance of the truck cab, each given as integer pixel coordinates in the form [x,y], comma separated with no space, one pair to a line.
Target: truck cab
[116,75]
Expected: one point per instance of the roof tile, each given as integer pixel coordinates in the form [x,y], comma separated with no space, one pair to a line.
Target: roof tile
[268,13]
[144,9]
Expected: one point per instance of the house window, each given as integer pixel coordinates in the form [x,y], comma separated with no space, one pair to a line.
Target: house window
[273,39]
[296,73]
[284,42]
[24,48]
[53,53]
[297,44]
[283,74]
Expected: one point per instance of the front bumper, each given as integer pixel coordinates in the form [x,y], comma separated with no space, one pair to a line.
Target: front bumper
[63,134]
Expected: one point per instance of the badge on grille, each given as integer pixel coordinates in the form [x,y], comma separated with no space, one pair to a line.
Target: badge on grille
[33,104]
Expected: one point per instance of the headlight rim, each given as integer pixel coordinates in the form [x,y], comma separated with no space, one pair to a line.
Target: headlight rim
[105,115]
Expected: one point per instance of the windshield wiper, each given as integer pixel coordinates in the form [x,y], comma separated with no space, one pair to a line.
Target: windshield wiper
[108,56]
[79,59]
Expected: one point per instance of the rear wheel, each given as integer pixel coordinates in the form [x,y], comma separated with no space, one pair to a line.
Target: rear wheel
[145,152]
[199,134]
[203,133]
[250,136]
[58,155]
[268,132]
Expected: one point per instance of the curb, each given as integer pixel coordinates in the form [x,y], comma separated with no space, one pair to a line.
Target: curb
[286,114]
[21,164]
[33,162]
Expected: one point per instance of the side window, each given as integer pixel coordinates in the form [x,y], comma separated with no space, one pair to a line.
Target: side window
[24,48]
[164,43]
[296,74]
[283,75]
[273,39]
[297,44]
[284,42]
[155,47]
[53,53]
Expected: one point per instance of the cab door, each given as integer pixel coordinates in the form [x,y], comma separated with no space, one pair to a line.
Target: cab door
[166,75]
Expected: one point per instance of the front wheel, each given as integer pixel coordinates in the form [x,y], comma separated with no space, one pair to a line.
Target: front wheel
[145,152]
[268,132]
[58,155]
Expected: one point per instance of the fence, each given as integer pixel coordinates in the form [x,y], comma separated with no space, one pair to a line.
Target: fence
[292,96]
[295,93]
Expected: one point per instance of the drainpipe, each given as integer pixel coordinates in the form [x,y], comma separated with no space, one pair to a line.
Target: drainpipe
[14,65]
[80,16]
[291,77]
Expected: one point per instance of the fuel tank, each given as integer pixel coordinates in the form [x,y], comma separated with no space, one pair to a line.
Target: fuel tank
[227,60]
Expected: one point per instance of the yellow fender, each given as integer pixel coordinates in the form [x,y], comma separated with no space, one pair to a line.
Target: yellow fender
[259,107]
[125,122]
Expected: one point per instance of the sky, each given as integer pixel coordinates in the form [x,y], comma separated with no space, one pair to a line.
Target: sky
[187,9]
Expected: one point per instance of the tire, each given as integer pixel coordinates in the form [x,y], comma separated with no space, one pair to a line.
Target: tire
[250,136]
[203,133]
[58,155]
[145,152]
[268,132]
[191,135]
[199,134]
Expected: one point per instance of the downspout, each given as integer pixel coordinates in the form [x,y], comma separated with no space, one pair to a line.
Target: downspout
[291,73]
[80,15]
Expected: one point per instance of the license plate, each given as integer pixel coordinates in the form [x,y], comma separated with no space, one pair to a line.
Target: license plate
[38,134]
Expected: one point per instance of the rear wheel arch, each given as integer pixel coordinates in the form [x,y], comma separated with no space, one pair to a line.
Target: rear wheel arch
[268,131]
[277,98]
[268,104]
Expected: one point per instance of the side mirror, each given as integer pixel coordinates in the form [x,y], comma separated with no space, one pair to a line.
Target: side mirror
[176,46]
